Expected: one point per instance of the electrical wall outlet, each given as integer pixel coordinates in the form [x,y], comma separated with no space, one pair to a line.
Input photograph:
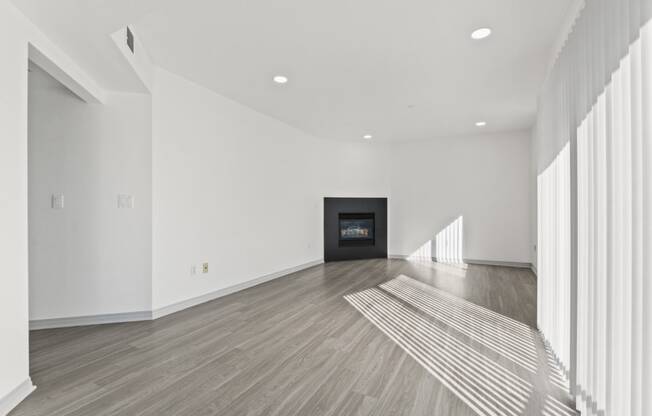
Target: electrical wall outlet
[204,268]
[57,201]
[125,201]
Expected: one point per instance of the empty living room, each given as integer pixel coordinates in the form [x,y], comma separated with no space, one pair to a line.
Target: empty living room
[333,208]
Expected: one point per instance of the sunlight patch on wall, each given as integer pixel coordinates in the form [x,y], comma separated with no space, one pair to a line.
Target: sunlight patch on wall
[423,253]
[446,247]
[449,242]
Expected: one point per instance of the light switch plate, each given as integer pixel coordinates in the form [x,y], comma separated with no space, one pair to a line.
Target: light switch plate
[57,201]
[125,201]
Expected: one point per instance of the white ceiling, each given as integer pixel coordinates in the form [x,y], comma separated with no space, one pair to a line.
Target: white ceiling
[400,70]
[82,28]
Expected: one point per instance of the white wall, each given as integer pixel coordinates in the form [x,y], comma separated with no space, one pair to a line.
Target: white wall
[16,33]
[90,258]
[240,190]
[485,179]
[13,202]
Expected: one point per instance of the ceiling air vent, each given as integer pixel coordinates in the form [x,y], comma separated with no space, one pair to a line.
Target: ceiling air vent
[130,40]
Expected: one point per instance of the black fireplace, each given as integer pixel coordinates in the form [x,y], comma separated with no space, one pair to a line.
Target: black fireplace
[355,228]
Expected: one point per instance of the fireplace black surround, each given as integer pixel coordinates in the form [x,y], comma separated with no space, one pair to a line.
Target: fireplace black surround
[355,228]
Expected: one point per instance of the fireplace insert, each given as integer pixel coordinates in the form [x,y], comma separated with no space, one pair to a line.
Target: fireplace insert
[357,227]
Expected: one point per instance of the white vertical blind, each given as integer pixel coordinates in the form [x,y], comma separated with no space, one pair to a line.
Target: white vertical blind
[600,94]
[553,261]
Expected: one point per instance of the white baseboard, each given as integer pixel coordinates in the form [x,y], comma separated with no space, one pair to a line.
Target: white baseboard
[516,264]
[109,318]
[165,310]
[17,395]
[184,304]
[475,261]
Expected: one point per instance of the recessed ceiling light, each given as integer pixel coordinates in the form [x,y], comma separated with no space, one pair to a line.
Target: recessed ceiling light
[280,79]
[481,33]
[367,136]
[481,123]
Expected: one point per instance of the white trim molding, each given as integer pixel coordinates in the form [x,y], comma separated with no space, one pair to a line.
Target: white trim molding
[17,395]
[515,264]
[110,318]
[165,310]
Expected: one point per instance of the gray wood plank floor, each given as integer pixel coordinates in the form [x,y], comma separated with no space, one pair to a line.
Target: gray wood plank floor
[373,337]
